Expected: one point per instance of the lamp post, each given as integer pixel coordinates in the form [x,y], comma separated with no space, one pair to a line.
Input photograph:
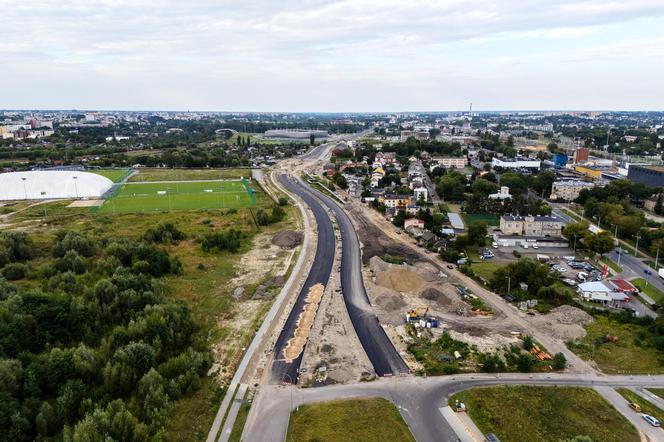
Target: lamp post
[25,190]
[76,184]
[636,250]
[656,258]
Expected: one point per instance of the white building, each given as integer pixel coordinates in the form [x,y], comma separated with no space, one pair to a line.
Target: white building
[421,192]
[451,162]
[516,163]
[598,291]
[47,184]
[503,194]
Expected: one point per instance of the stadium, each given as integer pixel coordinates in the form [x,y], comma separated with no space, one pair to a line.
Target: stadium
[52,184]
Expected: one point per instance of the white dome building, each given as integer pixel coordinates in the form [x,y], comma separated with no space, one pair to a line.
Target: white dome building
[50,184]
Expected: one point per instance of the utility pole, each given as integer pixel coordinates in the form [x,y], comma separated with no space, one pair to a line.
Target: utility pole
[636,250]
[509,281]
[619,246]
[656,258]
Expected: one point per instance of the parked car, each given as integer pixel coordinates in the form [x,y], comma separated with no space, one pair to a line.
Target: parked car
[450,266]
[651,420]
[494,245]
[535,246]
[525,246]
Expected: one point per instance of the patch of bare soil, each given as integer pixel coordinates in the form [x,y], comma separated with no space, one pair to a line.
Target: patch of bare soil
[375,242]
[237,328]
[485,343]
[564,322]
[263,260]
[333,353]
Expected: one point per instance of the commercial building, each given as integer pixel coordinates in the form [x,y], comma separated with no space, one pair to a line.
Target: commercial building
[518,163]
[602,292]
[649,176]
[559,160]
[451,162]
[581,155]
[530,225]
[568,190]
[592,171]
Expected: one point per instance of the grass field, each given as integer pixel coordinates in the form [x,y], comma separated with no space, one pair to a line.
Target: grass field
[658,391]
[163,174]
[367,420]
[146,197]
[517,414]
[653,292]
[647,407]
[489,220]
[114,175]
[612,264]
[621,357]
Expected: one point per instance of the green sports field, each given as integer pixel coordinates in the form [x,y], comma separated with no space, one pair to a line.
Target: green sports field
[114,175]
[185,195]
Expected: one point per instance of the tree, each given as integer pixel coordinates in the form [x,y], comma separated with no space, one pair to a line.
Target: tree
[600,243]
[518,184]
[528,342]
[542,183]
[477,233]
[659,206]
[525,362]
[312,139]
[575,232]
[559,362]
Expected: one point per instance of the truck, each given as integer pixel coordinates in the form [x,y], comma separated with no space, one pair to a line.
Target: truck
[660,272]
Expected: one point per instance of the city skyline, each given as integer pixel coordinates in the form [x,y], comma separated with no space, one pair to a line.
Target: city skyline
[331,56]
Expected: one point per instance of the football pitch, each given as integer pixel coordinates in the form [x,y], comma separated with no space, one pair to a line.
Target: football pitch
[184,195]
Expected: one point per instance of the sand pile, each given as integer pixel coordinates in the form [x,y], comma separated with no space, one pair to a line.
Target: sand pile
[304,322]
[378,265]
[564,322]
[287,239]
[400,280]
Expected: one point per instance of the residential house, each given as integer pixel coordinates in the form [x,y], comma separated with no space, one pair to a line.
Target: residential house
[568,190]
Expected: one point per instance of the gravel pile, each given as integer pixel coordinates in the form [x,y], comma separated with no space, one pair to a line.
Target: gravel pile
[564,322]
[287,239]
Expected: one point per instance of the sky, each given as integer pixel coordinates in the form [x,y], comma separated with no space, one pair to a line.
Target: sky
[332,56]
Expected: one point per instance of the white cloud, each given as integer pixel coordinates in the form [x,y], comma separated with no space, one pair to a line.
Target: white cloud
[319,54]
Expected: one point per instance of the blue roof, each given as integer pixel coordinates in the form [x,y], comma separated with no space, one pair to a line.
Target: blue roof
[456,220]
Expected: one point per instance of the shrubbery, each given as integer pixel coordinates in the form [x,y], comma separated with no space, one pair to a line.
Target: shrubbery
[98,352]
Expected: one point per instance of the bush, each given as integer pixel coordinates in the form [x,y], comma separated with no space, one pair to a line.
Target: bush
[219,241]
[559,361]
[283,201]
[14,271]
[516,253]
[164,233]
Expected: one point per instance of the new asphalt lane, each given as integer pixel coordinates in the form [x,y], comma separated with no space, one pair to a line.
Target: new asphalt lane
[377,345]
[283,371]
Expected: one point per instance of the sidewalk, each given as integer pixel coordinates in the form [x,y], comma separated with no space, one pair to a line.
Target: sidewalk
[463,425]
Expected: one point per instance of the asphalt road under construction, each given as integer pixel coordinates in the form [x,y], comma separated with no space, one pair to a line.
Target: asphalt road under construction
[377,345]
[321,268]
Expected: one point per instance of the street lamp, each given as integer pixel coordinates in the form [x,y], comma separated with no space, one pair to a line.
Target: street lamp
[636,250]
[76,184]
[25,190]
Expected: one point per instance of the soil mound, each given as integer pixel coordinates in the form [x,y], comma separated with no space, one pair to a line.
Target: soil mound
[400,280]
[287,239]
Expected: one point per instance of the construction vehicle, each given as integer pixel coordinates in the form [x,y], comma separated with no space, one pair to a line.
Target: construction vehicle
[416,314]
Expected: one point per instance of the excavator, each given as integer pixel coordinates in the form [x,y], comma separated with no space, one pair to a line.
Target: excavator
[416,314]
